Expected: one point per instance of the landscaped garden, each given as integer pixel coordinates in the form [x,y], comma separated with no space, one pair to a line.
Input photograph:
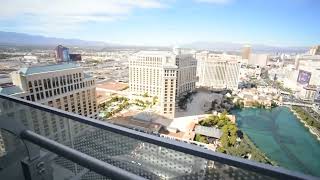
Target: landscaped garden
[233,141]
[118,103]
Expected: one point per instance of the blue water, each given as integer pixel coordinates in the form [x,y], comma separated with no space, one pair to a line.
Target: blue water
[282,137]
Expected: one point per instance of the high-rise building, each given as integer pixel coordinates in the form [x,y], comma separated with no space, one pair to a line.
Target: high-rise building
[258,59]
[246,51]
[315,50]
[62,54]
[218,71]
[302,59]
[75,57]
[63,86]
[164,74]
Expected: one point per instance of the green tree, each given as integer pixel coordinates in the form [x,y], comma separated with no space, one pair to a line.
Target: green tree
[221,149]
[224,140]
[223,120]
[232,140]
[154,100]
[203,139]
[197,137]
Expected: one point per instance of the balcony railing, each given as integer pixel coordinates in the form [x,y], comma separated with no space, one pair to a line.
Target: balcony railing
[41,142]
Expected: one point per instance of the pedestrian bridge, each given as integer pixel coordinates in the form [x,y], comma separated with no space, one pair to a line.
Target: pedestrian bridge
[298,104]
[284,92]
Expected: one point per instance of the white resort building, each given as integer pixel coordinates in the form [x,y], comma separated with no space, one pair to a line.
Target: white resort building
[164,74]
[218,71]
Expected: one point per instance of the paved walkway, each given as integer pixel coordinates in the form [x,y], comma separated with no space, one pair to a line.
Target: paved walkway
[201,102]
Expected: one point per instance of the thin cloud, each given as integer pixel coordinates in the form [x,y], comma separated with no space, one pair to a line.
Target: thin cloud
[62,13]
[74,7]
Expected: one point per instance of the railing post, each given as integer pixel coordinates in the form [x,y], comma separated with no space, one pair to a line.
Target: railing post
[35,164]
[37,169]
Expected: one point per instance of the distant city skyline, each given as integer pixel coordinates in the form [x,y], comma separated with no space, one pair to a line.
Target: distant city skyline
[168,22]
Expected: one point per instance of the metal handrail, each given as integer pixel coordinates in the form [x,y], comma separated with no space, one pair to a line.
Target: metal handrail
[263,169]
[80,158]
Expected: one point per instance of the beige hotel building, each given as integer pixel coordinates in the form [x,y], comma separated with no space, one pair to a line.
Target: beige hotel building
[63,86]
[164,74]
[218,71]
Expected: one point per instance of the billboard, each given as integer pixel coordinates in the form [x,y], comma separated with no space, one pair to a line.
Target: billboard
[304,77]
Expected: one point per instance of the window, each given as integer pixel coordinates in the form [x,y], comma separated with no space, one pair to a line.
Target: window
[57,81]
[32,98]
[30,84]
[45,84]
[49,83]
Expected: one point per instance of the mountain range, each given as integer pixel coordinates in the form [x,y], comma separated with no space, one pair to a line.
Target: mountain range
[22,39]
[13,38]
[229,46]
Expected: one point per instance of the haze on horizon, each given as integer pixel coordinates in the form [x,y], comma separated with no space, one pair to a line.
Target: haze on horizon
[167,22]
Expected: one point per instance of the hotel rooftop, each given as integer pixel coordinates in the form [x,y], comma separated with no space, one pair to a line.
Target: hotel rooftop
[47,68]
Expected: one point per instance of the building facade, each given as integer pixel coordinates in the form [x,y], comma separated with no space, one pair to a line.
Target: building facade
[63,86]
[308,93]
[260,60]
[310,63]
[62,54]
[218,71]
[246,52]
[315,50]
[164,74]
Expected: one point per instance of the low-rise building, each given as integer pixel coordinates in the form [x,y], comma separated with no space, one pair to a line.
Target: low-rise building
[260,95]
[208,131]
[308,93]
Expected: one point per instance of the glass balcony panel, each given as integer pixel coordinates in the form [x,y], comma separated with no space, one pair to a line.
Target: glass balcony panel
[145,159]
[12,151]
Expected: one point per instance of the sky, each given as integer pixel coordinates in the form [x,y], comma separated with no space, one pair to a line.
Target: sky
[167,22]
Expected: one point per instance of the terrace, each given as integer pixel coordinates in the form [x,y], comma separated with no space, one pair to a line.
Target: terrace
[93,149]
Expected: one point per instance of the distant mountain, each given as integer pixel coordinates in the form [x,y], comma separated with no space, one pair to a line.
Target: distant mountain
[258,48]
[12,38]
[22,39]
